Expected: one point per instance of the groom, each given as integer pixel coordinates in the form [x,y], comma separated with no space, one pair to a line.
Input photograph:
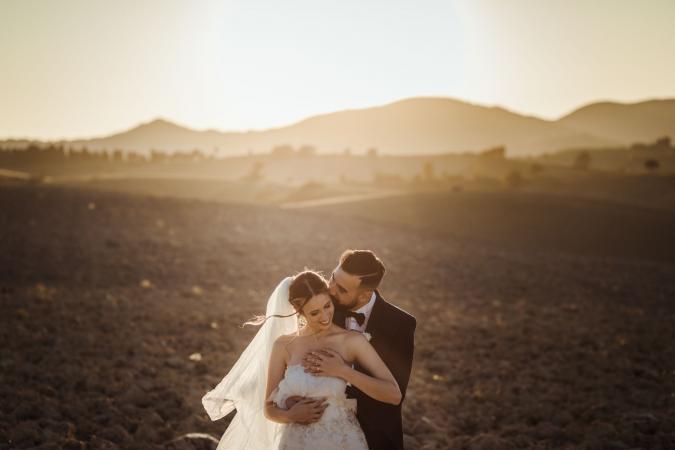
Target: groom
[359,306]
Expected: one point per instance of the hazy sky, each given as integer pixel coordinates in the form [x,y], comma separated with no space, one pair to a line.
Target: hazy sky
[80,68]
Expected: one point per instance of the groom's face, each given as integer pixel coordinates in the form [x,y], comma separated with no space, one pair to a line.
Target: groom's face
[344,288]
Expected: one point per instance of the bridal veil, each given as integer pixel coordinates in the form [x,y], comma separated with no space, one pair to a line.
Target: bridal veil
[243,388]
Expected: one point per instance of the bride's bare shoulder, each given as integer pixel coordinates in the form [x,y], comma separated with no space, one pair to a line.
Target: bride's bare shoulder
[285,339]
[283,344]
[356,338]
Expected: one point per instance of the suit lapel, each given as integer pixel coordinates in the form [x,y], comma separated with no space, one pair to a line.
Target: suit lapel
[374,321]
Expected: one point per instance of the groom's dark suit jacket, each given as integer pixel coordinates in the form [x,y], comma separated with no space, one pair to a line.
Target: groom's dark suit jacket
[392,333]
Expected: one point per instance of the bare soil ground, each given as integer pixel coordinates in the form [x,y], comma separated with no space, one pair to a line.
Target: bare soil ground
[528,221]
[105,296]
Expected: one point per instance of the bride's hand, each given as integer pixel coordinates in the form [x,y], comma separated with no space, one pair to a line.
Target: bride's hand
[325,362]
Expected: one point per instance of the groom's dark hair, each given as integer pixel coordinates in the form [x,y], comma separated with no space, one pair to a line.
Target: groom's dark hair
[365,265]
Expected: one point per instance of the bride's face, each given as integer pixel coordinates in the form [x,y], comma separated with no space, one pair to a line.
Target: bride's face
[318,312]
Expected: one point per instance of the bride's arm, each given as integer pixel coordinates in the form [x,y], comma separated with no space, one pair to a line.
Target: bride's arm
[304,411]
[275,373]
[380,385]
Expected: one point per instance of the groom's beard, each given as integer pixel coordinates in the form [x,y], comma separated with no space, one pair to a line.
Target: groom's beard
[338,305]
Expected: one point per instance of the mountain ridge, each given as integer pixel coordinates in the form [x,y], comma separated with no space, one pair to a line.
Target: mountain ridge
[415,125]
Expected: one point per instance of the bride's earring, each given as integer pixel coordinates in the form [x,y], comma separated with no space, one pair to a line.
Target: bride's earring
[302,322]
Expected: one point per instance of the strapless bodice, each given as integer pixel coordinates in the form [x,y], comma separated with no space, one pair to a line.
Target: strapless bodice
[298,382]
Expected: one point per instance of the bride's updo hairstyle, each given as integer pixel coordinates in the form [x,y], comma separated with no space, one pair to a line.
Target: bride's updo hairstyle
[304,286]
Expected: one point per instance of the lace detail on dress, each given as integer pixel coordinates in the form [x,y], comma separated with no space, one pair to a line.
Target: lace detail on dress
[338,428]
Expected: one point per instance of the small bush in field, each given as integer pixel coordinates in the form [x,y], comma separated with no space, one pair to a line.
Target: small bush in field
[652,165]
[514,179]
[582,161]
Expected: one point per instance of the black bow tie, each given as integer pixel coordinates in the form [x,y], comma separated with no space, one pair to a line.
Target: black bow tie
[360,317]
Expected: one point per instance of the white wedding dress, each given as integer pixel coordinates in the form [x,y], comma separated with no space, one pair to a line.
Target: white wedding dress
[244,389]
[338,428]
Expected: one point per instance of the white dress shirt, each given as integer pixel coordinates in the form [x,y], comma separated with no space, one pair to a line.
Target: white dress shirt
[352,324]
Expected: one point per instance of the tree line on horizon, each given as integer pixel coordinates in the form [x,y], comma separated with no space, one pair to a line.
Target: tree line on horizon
[36,154]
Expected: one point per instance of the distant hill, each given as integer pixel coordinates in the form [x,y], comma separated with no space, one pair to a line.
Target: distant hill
[159,134]
[418,126]
[624,122]
[431,125]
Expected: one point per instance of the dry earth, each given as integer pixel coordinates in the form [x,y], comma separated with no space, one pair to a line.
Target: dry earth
[105,296]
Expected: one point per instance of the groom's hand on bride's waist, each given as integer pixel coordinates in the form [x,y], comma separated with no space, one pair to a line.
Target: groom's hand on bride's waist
[292,400]
[305,410]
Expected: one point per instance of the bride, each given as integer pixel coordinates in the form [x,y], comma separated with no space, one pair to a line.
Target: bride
[271,370]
